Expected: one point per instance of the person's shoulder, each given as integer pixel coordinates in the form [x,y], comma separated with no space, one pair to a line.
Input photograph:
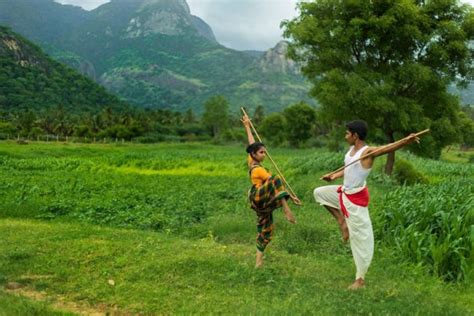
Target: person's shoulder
[256,169]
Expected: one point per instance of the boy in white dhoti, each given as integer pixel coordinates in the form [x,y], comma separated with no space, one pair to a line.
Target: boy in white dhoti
[349,203]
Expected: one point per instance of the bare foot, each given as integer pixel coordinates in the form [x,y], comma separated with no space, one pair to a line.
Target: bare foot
[289,216]
[259,260]
[358,284]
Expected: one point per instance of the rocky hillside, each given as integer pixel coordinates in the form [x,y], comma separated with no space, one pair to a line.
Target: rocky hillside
[155,53]
[30,80]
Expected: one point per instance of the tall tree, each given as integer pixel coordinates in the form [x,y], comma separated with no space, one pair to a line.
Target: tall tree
[216,115]
[189,117]
[300,122]
[259,114]
[466,126]
[388,62]
[273,128]
[25,122]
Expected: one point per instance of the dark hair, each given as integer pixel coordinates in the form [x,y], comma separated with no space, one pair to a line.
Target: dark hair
[358,126]
[253,148]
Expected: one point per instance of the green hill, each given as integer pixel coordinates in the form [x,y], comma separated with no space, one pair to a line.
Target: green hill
[154,53]
[29,79]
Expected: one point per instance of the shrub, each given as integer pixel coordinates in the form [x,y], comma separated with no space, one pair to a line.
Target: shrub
[405,173]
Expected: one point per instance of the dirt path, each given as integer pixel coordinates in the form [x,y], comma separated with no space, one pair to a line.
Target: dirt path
[57,302]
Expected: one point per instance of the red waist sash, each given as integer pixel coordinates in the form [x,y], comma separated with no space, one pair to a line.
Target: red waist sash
[360,198]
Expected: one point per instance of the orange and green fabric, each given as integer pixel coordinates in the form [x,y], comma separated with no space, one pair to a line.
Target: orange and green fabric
[266,195]
[258,174]
[264,231]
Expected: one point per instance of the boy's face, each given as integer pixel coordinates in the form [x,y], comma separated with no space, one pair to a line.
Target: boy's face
[351,137]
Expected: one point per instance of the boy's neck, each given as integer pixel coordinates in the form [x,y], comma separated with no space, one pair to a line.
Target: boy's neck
[359,144]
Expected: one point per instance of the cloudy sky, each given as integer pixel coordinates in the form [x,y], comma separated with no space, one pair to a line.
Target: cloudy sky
[238,24]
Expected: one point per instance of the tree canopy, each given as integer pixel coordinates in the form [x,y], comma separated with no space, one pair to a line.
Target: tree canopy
[388,62]
[216,115]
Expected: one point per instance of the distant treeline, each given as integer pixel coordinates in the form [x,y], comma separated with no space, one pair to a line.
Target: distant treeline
[299,125]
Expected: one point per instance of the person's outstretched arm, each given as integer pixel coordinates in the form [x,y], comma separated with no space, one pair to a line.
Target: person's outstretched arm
[246,121]
[382,150]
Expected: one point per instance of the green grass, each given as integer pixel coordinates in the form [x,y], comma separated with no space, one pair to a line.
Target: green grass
[170,225]
[457,155]
[159,273]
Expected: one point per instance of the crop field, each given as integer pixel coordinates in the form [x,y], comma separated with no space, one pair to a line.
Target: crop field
[127,228]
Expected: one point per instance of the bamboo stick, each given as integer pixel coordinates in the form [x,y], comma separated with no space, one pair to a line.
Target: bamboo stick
[374,152]
[269,157]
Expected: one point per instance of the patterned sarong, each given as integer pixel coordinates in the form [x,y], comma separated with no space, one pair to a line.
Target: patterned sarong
[264,200]
[268,196]
[264,231]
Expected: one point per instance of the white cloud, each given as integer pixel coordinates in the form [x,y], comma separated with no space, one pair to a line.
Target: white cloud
[86,4]
[245,24]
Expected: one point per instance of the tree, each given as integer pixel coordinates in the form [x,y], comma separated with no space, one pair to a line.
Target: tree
[82,131]
[259,114]
[62,122]
[466,126]
[388,62]
[273,128]
[216,116]
[107,116]
[25,122]
[6,128]
[47,123]
[189,117]
[300,119]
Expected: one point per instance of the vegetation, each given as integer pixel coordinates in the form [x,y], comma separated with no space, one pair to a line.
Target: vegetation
[389,62]
[174,223]
[174,71]
[32,82]
[166,228]
[216,115]
[42,99]
[300,121]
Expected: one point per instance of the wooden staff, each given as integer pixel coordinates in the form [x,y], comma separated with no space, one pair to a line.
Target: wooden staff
[269,157]
[375,152]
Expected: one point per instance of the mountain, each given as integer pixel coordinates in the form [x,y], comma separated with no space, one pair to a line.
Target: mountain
[30,80]
[155,53]
[274,60]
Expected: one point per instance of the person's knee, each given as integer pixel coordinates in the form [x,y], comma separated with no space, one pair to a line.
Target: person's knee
[318,193]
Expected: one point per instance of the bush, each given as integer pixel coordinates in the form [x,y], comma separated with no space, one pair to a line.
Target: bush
[150,139]
[405,173]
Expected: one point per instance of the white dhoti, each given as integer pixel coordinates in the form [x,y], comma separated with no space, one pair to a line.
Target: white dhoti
[361,236]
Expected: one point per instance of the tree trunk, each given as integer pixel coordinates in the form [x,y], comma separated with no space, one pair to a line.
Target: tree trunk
[390,156]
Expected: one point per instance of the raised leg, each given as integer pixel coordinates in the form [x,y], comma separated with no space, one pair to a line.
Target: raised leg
[340,220]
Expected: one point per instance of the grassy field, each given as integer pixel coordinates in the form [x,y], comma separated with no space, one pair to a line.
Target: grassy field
[167,229]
